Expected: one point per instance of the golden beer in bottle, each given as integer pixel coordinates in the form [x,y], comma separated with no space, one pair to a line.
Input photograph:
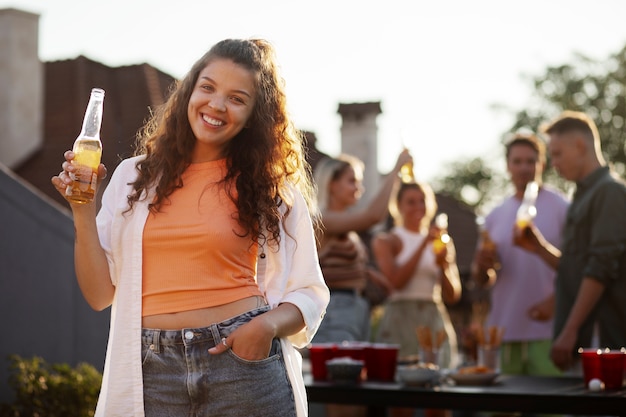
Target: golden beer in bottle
[87,152]
[488,245]
[526,212]
[406,173]
[440,243]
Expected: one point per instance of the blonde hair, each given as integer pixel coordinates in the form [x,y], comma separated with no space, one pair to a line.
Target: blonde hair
[330,169]
[574,121]
[429,199]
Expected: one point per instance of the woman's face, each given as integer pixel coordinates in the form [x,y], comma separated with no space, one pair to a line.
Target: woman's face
[346,190]
[220,105]
[412,206]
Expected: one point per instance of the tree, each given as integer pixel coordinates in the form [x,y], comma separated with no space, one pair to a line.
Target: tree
[473,182]
[597,88]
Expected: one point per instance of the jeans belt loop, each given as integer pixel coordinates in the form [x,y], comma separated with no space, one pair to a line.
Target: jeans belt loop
[156,338]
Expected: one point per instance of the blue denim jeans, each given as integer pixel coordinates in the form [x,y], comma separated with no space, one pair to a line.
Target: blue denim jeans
[181,378]
[347,319]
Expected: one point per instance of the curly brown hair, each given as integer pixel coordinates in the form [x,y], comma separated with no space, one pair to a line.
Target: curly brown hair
[261,159]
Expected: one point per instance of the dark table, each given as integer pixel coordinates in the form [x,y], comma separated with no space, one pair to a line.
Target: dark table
[508,393]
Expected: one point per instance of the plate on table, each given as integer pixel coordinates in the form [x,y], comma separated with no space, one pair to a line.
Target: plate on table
[418,374]
[474,375]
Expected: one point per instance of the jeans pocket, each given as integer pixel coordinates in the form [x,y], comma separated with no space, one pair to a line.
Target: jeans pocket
[275,354]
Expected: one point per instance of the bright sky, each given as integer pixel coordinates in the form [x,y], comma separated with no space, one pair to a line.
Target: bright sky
[437,67]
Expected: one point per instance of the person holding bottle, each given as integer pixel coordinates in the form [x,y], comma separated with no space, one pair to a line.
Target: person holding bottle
[87,151]
[344,256]
[421,267]
[591,263]
[521,283]
[204,247]
[418,258]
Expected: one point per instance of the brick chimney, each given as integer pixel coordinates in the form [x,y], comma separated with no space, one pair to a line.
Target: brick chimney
[359,137]
[21,84]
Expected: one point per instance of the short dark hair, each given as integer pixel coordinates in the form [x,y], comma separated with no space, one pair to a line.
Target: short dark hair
[529,140]
[573,121]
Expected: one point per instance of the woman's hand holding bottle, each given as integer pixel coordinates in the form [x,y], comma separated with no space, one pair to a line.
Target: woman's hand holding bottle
[64,179]
[441,239]
[526,214]
[404,166]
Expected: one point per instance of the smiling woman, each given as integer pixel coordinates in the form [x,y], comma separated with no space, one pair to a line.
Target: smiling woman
[219,107]
[205,247]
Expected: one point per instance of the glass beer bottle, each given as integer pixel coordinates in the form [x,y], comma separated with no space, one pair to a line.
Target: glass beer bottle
[527,210]
[406,173]
[486,242]
[439,244]
[87,152]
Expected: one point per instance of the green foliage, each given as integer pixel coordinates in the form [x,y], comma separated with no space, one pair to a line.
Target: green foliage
[472,182]
[596,88]
[51,390]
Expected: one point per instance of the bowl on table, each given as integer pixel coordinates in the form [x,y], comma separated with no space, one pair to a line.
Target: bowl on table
[474,375]
[418,374]
[344,370]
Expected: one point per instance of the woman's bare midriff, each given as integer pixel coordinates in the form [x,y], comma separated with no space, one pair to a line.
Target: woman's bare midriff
[202,317]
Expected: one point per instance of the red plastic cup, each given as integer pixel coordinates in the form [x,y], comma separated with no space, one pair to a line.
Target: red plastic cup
[590,358]
[381,360]
[612,369]
[623,350]
[319,353]
[353,350]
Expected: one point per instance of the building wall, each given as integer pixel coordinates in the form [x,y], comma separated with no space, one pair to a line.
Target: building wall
[359,137]
[21,84]
[42,309]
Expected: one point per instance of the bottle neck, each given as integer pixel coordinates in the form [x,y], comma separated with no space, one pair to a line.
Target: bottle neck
[92,122]
[93,117]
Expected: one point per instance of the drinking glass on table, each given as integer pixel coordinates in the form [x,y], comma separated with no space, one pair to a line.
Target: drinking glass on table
[430,343]
[489,357]
[488,347]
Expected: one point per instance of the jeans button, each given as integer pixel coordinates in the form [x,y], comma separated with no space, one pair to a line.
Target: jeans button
[189,335]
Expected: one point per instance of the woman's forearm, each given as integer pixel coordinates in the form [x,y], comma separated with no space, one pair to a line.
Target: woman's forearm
[451,284]
[284,320]
[90,262]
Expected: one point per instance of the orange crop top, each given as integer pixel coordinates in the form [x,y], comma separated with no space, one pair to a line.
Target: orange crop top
[193,253]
